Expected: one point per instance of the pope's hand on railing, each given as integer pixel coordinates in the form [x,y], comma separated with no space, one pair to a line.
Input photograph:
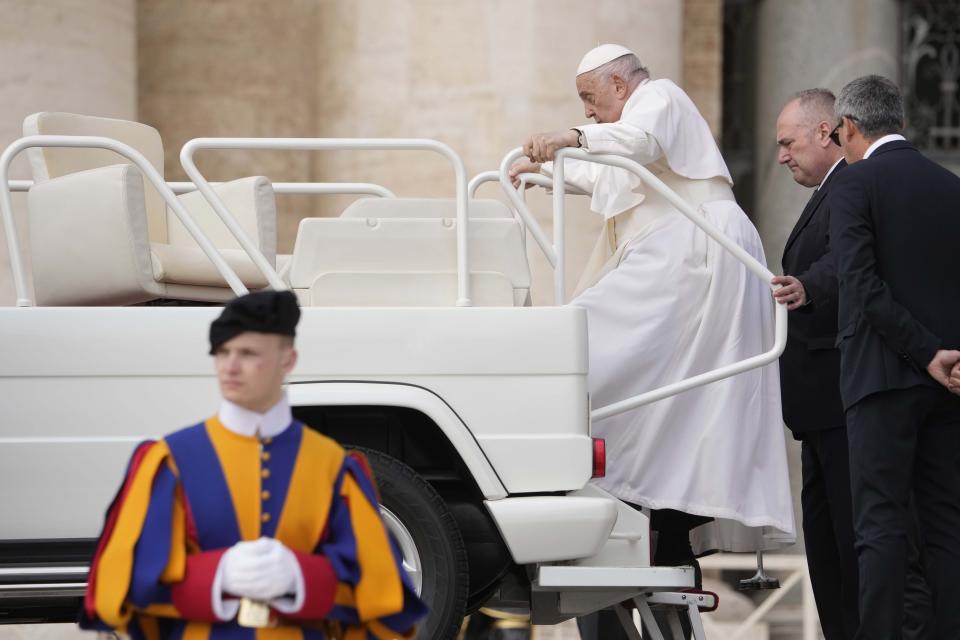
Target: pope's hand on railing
[522,166]
[541,147]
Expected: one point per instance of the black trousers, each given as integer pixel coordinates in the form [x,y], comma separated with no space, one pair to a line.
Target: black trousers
[829,539]
[903,442]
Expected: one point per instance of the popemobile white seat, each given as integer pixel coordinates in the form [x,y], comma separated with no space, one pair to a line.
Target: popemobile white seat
[101,235]
[423,208]
[403,252]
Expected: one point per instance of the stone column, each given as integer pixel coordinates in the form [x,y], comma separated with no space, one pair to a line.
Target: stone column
[803,44]
[703,58]
[61,55]
[243,68]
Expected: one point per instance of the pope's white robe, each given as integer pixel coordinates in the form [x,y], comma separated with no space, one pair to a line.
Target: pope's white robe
[664,303]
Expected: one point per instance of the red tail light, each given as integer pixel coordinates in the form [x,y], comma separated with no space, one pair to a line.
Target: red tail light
[599,458]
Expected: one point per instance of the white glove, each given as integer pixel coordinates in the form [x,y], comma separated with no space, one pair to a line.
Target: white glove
[263,569]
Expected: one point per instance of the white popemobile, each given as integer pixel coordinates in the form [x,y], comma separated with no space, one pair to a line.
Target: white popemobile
[416,344]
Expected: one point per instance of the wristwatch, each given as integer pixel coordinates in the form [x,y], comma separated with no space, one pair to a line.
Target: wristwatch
[580,139]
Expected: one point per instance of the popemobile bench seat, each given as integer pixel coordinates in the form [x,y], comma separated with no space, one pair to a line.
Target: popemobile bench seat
[99,235]
[403,252]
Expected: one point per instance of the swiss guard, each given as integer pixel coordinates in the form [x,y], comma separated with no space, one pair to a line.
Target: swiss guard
[249,525]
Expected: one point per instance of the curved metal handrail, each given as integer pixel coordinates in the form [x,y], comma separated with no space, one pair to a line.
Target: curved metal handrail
[308,188]
[328,144]
[479,179]
[148,171]
[520,206]
[655,184]
[311,188]
[541,180]
[525,178]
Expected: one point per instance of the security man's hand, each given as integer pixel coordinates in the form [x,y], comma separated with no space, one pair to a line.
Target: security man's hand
[541,147]
[943,366]
[954,383]
[522,165]
[791,293]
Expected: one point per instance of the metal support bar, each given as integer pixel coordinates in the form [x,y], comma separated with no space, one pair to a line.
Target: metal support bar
[673,619]
[696,622]
[683,598]
[148,171]
[559,236]
[327,144]
[521,207]
[626,621]
[308,188]
[648,620]
[313,188]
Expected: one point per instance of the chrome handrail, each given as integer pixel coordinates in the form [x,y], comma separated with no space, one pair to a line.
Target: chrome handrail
[554,252]
[311,188]
[329,144]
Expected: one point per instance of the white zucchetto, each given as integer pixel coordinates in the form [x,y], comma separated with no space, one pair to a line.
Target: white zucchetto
[599,56]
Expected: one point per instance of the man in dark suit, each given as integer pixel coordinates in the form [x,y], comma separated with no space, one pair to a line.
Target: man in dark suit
[810,364]
[810,379]
[895,220]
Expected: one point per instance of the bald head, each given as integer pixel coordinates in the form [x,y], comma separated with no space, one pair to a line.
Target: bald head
[803,136]
[815,105]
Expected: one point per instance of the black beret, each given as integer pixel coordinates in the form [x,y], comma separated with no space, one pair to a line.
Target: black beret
[261,312]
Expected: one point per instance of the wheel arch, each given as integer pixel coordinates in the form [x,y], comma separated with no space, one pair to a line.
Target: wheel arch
[308,397]
[368,415]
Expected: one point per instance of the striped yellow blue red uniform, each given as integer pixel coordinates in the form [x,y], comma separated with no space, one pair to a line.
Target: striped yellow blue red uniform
[189,497]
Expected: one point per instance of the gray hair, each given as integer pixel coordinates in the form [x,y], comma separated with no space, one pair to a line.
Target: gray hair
[875,105]
[816,104]
[626,66]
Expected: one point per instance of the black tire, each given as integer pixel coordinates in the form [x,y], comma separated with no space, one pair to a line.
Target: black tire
[443,555]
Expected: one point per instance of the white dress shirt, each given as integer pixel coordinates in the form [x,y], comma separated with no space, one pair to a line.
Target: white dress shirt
[884,140]
[829,172]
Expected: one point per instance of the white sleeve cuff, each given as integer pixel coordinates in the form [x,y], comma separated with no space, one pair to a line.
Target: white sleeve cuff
[224,609]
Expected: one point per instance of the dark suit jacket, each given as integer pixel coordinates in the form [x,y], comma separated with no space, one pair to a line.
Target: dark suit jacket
[810,365]
[895,230]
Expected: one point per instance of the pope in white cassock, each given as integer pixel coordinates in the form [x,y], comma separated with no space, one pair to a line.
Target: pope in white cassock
[665,302]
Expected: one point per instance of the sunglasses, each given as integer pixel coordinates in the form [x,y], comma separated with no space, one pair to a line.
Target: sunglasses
[835,134]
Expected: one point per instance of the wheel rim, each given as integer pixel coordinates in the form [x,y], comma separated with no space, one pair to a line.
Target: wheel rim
[408,548]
